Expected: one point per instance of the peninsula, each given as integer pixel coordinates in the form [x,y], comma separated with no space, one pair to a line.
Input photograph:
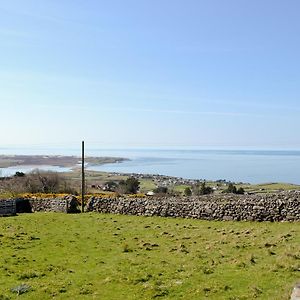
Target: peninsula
[53,160]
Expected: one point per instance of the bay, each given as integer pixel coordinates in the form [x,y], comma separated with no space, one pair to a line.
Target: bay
[253,166]
[234,165]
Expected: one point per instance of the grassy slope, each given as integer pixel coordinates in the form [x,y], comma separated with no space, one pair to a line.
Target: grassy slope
[271,187]
[96,256]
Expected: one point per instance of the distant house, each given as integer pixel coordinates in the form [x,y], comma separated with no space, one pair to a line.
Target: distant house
[150,193]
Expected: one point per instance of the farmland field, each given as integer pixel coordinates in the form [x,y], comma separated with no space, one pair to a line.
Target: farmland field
[103,256]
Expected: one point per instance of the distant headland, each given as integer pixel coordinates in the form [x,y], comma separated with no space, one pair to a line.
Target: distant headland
[7,161]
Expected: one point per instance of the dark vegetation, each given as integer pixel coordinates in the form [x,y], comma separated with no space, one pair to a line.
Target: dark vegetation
[202,189]
[129,186]
[187,191]
[232,189]
[36,182]
[161,190]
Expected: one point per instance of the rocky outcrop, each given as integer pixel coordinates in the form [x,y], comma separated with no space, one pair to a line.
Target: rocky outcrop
[283,206]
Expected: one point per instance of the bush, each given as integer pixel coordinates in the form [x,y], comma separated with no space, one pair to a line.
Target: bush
[187,191]
[202,189]
[161,190]
[110,186]
[129,186]
[41,182]
[232,189]
[240,191]
[37,182]
[19,174]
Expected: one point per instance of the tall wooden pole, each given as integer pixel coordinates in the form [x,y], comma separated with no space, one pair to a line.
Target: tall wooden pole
[82,178]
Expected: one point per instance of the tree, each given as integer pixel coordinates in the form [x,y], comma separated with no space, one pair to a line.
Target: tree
[38,182]
[202,189]
[19,174]
[240,191]
[161,190]
[43,182]
[232,189]
[130,186]
[111,186]
[187,191]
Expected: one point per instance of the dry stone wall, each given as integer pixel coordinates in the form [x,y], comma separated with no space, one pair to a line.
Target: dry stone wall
[283,206]
[65,204]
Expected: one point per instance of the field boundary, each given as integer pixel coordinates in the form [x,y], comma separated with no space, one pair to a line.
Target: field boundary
[277,207]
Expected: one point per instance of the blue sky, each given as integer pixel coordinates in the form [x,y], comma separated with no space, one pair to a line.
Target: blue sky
[168,73]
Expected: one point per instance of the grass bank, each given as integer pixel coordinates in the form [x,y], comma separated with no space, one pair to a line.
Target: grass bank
[97,256]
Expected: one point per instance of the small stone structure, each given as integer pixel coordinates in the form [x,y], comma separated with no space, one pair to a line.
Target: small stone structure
[66,204]
[284,206]
[7,207]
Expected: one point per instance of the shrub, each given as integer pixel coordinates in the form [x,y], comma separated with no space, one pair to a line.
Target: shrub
[240,191]
[110,186]
[232,189]
[19,174]
[202,189]
[37,182]
[41,182]
[161,190]
[129,186]
[187,191]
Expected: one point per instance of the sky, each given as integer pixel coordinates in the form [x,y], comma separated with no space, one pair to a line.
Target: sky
[159,73]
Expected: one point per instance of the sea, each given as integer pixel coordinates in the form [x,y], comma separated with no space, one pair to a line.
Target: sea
[249,166]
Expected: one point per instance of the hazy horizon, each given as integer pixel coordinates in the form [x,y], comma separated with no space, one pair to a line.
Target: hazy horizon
[119,148]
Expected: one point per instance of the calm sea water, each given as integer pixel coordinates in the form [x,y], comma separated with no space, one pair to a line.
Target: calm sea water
[254,166]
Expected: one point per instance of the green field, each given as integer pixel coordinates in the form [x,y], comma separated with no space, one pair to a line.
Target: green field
[102,256]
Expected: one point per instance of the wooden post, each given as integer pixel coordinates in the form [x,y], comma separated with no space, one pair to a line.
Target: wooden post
[82,178]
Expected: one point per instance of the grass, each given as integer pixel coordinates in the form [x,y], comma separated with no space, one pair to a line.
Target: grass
[180,188]
[102,256]
[147,185]
[271,187]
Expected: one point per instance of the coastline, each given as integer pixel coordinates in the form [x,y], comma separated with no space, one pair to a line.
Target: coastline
[63,161]
[265,172]
[70,166]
